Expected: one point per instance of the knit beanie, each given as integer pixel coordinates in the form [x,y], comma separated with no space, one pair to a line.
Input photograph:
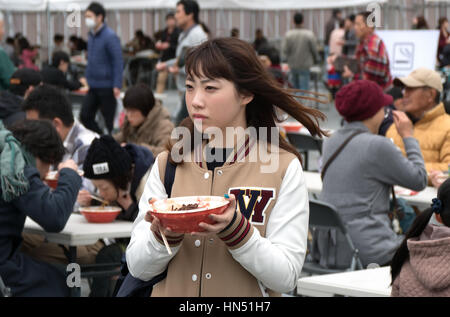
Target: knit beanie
[361,100]
[106,159]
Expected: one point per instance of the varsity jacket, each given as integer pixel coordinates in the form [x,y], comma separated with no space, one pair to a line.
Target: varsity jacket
[263,250]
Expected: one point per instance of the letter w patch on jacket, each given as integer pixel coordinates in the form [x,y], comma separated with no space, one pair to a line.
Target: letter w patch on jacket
[252,202]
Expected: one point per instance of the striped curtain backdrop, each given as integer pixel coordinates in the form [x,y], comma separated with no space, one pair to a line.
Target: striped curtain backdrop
[38,27]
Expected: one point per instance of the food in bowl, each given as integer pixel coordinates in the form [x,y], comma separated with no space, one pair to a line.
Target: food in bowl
[52,178]
[100,214]
[292,126]
[183,214]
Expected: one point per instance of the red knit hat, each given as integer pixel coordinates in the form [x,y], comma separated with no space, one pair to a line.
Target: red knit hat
[360,100]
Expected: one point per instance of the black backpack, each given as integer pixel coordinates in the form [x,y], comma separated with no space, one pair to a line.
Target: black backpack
[129,286]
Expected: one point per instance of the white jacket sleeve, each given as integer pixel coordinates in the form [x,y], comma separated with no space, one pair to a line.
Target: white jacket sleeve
[277,259]
[146,256]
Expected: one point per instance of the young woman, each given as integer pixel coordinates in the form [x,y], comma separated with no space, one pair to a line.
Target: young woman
[147,122]
[258,244]
[26,155]
[420,266]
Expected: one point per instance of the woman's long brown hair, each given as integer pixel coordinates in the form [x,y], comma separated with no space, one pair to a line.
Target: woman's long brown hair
[236,61]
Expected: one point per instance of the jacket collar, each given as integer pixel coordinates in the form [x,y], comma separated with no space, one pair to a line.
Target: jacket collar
[240,151]
[100,30]
[437,111]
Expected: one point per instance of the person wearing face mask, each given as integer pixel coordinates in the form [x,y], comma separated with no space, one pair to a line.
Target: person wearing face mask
[103,72]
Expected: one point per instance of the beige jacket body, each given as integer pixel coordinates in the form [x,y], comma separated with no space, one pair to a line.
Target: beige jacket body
[261,253]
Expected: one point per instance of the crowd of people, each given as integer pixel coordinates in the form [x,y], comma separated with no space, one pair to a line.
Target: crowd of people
[396,131]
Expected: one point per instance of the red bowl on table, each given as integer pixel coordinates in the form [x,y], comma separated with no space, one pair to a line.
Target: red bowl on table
[100,214]
[292,126]
[52,178]
[186,221]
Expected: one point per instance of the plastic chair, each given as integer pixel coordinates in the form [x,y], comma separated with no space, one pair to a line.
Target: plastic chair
[305,143]
[323,215]
[4,290]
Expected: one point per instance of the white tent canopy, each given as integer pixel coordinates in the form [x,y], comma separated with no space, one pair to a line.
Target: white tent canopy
[64,5]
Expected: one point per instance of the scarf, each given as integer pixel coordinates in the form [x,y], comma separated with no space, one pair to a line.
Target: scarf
[13,160]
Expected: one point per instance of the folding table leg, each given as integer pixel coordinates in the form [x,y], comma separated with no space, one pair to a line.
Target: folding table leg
[71,255]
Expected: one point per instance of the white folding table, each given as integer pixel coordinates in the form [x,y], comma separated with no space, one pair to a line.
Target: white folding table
[77,232]
[422,199]
[362,283]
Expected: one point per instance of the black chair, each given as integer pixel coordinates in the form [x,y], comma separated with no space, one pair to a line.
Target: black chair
[305,143]
[323,215]
[4,290]
[139,70]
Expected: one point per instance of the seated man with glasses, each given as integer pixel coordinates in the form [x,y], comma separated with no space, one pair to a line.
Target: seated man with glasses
[421,102]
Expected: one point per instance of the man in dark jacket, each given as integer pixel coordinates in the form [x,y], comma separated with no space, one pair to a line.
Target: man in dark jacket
[31,148]
[103,72]
[55,74]
[22,83]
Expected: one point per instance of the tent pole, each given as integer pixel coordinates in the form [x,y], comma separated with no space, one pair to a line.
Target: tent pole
[49,53]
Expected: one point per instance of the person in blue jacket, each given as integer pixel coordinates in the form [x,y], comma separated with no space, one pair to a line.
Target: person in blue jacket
[104,70]
[26,152]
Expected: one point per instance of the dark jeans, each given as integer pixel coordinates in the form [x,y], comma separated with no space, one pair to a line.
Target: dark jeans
[103,99]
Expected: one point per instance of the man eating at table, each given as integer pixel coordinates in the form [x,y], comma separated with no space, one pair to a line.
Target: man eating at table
[48,103]
[25,155]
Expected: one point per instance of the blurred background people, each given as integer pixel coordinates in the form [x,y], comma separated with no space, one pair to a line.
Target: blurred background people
[56,73]
[104,71]
[6,66]
[167,45]
[299,48]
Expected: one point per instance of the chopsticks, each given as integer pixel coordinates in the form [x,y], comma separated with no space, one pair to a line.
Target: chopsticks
[99,199]
[163,236]
[165,241]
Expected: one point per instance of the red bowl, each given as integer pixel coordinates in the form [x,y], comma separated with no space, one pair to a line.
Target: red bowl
[52,178]
[187,221]
[100,214]
[292,126]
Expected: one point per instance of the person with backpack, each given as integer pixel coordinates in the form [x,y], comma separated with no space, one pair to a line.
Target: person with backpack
[258,245]
[420,265]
